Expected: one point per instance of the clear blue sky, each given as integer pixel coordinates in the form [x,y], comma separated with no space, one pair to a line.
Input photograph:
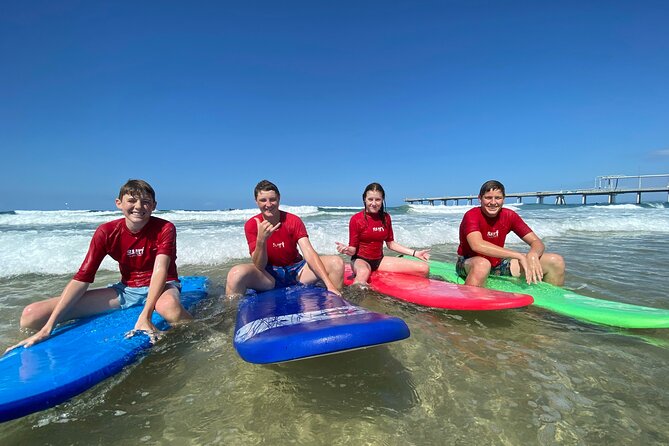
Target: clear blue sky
[205,98]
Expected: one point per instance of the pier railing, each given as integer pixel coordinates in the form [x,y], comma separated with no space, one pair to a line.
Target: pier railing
[607,185]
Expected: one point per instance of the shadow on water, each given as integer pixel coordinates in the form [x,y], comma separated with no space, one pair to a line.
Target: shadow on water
[368,381]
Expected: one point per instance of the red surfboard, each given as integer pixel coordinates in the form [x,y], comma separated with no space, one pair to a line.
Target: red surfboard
[438,294]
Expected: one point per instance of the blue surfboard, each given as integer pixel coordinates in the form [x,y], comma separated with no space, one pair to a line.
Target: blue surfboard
[298,322]
[78,356]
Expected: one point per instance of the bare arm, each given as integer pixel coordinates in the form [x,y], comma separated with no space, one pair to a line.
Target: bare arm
[156,288]
[536,245]
[316,264]
[423,254]
[480,246]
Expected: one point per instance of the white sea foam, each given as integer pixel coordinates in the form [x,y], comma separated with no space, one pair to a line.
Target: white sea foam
[54,252]
[439,209]
[209,216]
[232,215]
[55,242]
[450,209]
[45,218]
[302,211]
[616,207]
[344,208]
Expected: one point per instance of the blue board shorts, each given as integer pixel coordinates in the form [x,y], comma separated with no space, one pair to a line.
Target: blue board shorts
[129,296]
[503,269]
[285,276]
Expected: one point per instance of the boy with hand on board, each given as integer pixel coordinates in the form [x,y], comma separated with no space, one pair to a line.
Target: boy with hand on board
[145,249]
[273,237]
[481,252]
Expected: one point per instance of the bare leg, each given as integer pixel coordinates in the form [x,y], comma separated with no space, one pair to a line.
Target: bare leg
[95,301]
[245,276]
[362,271]
[402,265]
[170,308]
[553,266]
[334,266]
[477,269]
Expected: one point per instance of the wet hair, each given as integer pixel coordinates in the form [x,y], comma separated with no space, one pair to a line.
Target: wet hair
[492,185]
[376,187]
[265,186]
[138,189]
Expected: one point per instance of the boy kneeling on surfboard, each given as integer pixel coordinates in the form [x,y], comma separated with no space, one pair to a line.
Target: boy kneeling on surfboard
[273,237]
[145,249]
[483,231]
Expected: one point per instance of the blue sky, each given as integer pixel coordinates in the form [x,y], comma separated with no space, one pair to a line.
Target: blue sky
[205,98]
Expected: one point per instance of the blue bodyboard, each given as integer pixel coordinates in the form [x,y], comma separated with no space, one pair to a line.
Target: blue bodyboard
[298,322]
[77,356]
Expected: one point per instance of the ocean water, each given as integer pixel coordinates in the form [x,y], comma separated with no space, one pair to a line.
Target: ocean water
[510,377]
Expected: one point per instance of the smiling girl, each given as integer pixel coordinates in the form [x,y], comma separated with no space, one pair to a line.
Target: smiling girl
[368,230]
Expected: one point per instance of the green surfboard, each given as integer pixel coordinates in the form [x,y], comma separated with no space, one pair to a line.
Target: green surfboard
[568,303]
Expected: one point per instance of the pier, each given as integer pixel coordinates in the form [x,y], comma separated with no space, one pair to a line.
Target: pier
[607,185]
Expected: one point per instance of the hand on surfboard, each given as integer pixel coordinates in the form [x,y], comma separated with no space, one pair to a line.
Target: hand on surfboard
[38,337]
[531,266]
[147,328]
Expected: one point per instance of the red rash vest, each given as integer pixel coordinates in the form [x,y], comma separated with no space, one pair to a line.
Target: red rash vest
[282,244]
[367,233]
[493,230]
[135,253]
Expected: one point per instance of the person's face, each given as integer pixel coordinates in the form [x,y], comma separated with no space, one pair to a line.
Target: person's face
[492,202]
[136,209]
[373,201]
[268,203]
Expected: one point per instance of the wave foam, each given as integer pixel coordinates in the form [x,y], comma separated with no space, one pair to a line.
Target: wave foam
[55,242]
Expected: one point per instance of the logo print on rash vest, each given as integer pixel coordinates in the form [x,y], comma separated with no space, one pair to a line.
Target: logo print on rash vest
[135,252]
[278,245]
[492,234]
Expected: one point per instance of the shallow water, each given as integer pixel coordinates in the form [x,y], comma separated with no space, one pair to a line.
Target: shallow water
[511,377]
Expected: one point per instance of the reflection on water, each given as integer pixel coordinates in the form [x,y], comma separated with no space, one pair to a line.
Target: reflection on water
[511,377]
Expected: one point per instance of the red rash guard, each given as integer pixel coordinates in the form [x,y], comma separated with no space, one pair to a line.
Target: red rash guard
[366,233]
[135,253]
[282,244]
[493,230]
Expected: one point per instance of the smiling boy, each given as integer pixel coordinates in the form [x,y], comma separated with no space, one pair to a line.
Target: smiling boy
[145,249]
[483,231]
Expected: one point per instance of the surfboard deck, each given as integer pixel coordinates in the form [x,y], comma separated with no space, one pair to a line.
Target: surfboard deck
[77,356]
[439,294]
[568,303]
[298,322]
